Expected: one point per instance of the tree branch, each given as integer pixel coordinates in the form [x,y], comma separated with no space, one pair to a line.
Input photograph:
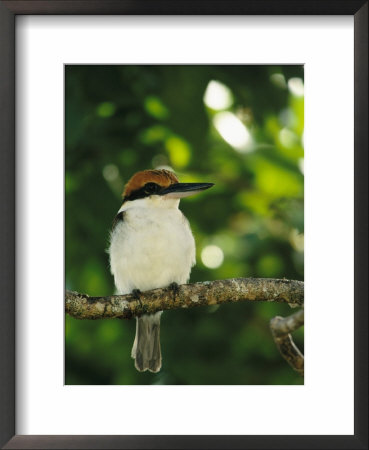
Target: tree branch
[81,306]
[281,328]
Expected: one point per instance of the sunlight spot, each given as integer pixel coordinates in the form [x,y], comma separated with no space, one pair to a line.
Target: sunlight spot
[297,240]
[296,87]
[218,96]
[212,256]
[154,134]
[279,80]
[155,107]
[287,138]
[287,117]
[110,172]
[300,164]
[159,161]
[233,131]
[106,109]
[179,151]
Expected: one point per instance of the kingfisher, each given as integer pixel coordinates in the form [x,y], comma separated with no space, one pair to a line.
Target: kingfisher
[152,246]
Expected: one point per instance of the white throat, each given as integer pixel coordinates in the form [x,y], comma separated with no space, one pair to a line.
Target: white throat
[154,201]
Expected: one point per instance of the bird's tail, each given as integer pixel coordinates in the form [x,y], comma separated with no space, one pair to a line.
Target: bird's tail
[146,347]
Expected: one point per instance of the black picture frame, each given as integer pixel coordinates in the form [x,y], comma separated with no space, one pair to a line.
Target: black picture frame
[8,12]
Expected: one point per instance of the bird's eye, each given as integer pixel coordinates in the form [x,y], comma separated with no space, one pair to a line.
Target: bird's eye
[151,188]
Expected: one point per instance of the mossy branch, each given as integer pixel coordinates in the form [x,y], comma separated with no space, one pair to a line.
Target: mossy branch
[81,306]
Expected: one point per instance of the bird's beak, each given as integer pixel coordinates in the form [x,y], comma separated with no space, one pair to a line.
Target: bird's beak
[180,190]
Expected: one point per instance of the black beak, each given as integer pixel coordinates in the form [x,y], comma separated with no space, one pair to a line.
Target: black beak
[180,190]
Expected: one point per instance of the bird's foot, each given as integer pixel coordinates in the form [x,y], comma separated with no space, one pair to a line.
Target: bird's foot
[174,287]
[136,294]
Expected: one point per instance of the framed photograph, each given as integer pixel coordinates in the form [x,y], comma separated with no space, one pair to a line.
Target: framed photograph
[112,114]
[213,137]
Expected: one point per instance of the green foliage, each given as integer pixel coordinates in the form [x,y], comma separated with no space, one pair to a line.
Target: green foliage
[121,119]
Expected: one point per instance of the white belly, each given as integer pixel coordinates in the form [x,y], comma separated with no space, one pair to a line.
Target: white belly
[151,248]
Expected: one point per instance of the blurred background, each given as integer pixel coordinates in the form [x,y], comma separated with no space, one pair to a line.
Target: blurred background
[240,127]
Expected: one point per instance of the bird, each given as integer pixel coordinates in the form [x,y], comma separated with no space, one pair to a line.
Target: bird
[151,246]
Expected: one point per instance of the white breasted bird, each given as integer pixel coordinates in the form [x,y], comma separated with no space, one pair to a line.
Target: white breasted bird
[151,246]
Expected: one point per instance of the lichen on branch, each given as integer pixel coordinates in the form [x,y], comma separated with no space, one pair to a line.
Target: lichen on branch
[81,306]
[281,328]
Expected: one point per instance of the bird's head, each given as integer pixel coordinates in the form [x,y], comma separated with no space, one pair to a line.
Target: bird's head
[159,188]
